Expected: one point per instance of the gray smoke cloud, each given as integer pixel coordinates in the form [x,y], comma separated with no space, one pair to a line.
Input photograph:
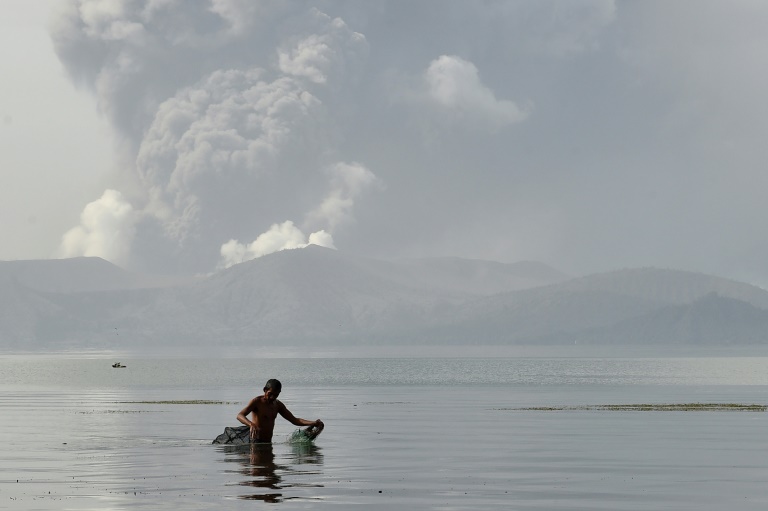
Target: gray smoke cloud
[107,228]
[222,108]
[454,86]
[347,182]
[589,134]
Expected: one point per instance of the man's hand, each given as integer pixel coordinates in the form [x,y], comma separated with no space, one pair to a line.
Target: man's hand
[314,429]
[254,432]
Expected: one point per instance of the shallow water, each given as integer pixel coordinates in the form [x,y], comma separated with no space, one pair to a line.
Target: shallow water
[415,433]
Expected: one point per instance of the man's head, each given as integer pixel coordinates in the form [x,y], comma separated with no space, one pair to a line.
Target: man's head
[272,389]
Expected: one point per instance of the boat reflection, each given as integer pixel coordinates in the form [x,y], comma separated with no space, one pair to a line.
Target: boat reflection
[279,478]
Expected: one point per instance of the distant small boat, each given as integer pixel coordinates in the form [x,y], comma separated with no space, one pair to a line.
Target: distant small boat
[118,365]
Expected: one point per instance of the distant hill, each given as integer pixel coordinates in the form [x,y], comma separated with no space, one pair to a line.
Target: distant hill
[318,293]
[668,286]
[27,317]
[321,296]
[585,305]
[80,274]
[480,277]
[529,316]
[710,320]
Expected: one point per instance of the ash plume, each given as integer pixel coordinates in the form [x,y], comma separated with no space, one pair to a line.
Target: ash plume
[248,126]
[222,107]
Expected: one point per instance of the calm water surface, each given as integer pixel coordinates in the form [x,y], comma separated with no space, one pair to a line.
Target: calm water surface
[414,433]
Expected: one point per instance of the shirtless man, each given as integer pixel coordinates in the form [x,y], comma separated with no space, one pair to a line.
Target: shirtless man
[264,410]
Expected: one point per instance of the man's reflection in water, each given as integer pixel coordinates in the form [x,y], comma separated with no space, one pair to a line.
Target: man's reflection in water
[261,470]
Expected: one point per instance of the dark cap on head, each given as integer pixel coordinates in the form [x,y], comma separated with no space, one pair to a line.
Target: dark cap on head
[274,385]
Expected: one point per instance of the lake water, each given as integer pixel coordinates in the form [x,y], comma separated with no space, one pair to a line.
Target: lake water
[416,432]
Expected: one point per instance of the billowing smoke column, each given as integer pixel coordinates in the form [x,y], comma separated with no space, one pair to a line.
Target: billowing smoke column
[347,182]
[222,108]
[454,85]
[107,227]
[250,126]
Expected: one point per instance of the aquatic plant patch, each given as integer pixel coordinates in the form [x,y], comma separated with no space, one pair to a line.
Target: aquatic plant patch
[652,407]
[180,402]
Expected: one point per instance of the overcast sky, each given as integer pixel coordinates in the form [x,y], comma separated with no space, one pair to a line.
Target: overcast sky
[169,135]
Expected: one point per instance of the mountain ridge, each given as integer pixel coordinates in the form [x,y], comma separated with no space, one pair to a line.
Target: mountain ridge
[81,274]
[321,296]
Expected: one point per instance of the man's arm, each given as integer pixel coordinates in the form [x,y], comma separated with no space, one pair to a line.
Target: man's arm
[287,415]
[243,418]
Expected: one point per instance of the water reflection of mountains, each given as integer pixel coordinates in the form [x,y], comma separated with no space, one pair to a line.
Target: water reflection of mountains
[299,467]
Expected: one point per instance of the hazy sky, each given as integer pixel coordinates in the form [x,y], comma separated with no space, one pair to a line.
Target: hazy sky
[170,135]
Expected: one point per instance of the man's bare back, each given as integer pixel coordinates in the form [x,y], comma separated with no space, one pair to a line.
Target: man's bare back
[264,410]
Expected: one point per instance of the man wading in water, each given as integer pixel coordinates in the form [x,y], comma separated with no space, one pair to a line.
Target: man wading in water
[264,410]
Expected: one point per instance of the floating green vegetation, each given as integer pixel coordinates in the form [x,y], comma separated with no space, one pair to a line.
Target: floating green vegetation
[650,407]
[179,402]
[94,412]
